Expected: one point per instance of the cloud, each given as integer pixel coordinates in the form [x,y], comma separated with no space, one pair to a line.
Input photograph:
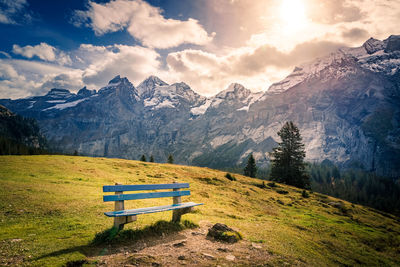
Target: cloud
[7,72]
[70,79]
[355,34]
[23,78]
[256,67]
[44,52]
[104,62]
[143,21]
[14,12]
[5,54]
[91,65]
[333,11]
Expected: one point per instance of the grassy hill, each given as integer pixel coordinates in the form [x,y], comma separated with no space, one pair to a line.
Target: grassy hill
[51,208]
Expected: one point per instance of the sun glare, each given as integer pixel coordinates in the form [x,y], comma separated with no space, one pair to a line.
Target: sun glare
[293,14]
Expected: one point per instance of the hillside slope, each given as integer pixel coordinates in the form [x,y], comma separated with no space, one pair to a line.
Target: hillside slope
[51,208]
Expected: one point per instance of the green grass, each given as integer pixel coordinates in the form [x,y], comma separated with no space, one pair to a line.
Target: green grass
[51,210]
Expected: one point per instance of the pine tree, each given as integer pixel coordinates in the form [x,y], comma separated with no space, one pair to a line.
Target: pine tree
[251,168]
[170,159]
[288,164]
[143,158]
[151,158]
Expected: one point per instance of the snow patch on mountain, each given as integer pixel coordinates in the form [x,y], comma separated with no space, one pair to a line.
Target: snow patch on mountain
[309,70]
[147,87]
[250,100]
[56,101]
[66,105]
[201,109]
[31,103]
[234,91]
[221,140]
[375,55]
[157,94]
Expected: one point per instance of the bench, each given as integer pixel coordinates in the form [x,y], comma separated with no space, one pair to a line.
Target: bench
[122,216]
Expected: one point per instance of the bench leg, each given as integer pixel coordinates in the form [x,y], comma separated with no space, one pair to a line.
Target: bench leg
[119,222]
[176,214]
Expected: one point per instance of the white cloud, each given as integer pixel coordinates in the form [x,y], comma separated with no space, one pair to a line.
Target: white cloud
[92,66]
[22,78]
[255,67]
[14,11]
[7,72]
[104,62]
[143,21]
[261,54]
[43,51]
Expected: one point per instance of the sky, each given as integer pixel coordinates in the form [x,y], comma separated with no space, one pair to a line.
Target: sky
[207,44]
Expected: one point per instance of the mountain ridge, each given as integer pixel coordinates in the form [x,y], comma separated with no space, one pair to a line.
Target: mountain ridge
[346,105]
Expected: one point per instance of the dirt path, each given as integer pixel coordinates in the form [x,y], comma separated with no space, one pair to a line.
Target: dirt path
[190,248]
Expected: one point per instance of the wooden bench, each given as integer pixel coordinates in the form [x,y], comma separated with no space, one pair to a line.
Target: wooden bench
[122,216]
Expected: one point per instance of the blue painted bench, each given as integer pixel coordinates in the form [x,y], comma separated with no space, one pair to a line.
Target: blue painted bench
[122,216]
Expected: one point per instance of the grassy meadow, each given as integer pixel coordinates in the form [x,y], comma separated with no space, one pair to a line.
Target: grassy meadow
[51,208]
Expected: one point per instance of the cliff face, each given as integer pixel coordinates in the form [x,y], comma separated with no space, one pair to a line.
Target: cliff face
[347,106]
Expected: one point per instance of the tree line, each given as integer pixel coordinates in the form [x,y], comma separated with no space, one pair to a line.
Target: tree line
[170,158]
[287,159]
[354,185]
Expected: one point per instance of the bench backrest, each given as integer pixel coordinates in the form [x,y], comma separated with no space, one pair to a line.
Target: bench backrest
[122,188]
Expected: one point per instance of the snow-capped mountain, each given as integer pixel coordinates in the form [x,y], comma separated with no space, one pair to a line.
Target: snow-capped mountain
[374,55]
[157,94]
[346,104]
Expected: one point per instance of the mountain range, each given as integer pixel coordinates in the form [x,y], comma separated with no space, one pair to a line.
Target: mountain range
[346,105]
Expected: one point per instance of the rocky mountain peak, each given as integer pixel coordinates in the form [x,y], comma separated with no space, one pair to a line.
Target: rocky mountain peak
[234,91]
[118,80]
[146,88]
[393,43]
[59,93]
[84,92]
[118,85]
[181,87]
[373,45]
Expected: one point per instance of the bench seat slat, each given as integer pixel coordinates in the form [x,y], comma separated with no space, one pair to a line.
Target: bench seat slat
[145,195]
[151,209]
[138,187]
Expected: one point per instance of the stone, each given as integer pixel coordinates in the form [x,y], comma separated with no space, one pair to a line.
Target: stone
[196,233]
[181,257]
[254,245]
[222,232]
[230,257]
[209,256]
[180,244]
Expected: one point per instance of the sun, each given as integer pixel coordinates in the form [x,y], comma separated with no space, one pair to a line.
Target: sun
[293,14]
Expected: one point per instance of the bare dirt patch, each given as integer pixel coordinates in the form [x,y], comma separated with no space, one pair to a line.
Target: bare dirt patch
[190,247]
